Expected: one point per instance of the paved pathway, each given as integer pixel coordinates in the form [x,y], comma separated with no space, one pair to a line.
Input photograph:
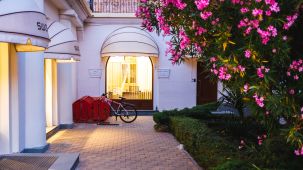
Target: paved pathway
[128,146]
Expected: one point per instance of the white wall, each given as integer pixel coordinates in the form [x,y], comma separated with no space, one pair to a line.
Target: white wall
[177,91]
[51,11]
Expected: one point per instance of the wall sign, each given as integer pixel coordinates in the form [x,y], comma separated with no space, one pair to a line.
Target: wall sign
[163,73]
[95,73]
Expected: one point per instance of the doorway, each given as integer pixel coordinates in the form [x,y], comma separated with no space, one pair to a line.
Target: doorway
[206,89]
[132,78]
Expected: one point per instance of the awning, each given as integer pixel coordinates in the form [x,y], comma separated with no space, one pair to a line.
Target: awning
[63,45]
[129,41]
[22,22]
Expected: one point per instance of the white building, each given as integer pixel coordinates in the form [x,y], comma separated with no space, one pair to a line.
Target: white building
[53,52]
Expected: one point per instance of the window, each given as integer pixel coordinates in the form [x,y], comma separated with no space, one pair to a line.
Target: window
[129,77]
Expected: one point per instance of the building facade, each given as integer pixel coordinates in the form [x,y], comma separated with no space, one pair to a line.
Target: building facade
[53,52]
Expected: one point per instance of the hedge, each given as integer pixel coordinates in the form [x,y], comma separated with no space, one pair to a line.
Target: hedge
[205,146]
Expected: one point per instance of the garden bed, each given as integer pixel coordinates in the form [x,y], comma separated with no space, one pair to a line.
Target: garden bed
[214,140]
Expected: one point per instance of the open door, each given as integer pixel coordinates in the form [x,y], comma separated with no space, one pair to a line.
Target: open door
[206,90]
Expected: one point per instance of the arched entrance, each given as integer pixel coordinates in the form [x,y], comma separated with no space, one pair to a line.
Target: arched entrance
[129,69]
[132,78]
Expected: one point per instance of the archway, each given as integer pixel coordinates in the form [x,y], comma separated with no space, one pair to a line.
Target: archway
[129,69]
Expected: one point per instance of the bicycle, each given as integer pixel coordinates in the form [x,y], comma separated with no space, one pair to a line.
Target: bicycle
[126,111]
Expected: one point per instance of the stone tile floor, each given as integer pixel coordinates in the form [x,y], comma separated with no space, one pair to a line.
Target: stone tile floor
[127,146]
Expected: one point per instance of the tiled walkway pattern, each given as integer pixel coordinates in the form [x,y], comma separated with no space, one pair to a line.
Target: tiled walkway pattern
[128,146]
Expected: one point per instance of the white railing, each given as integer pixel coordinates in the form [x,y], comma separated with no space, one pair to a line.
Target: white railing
[113,6]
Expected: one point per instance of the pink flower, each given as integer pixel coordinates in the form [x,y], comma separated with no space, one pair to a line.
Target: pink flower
[205,15]
[177,3]
[290,21]
[257,12]
[273,31]
[247,53]
[292,91]
[302,109]
[265,35]
[259,100]
[213,59]
[200,30]
[244,10]
[274,7]
[201,4]
[260,142]
[185,41]
[260,72]
[241,68]
[297,152]
[268,13]
[296,77]
[261,138]
[223,75]
[246,88]
[242,142]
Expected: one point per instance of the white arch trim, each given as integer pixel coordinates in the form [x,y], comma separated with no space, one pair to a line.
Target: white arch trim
[129,41]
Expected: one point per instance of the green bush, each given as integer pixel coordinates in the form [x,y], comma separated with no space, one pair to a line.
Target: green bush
[199,112]
[213,140]
[163,117]
[275,154]
[236,127]
[207,148]
[161,128]
[235,165]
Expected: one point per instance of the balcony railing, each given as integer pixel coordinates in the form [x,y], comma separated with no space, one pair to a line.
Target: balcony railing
[113,6]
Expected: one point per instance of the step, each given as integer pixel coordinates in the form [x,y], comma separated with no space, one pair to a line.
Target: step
[58,161]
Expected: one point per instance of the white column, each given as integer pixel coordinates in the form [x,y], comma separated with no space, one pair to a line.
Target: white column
[67,87]
[4,100]
[55,93]
[14,101]
[51,104]
[32,99]
[9,108]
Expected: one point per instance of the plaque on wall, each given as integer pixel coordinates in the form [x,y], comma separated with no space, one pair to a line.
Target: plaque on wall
[95,73]
[163,73]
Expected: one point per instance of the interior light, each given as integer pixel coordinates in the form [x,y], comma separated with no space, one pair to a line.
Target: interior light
[72,60]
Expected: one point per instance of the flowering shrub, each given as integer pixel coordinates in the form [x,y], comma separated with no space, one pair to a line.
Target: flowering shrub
[244,43]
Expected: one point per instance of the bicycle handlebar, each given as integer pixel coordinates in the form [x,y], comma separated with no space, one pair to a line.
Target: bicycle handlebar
[105,95]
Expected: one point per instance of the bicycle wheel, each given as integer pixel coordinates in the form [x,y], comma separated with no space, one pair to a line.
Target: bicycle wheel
[128,114]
